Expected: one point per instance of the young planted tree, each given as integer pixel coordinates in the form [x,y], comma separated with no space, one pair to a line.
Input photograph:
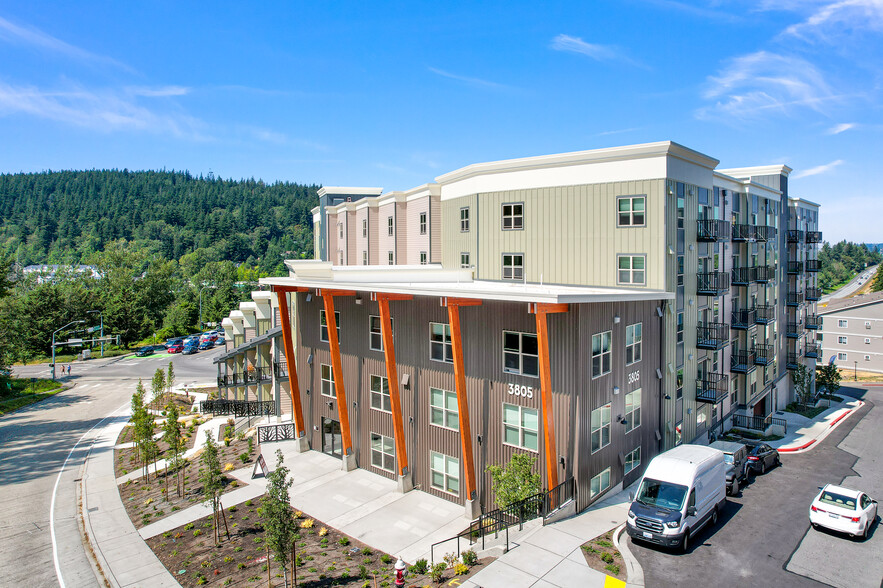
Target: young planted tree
[829,377]
[170,382]
[516,481]
[802,378]
[158,384]
[142,433]
[280,527]
[212,479]
[172,431]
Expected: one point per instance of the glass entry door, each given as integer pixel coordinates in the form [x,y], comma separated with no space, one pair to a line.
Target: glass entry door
[332,442]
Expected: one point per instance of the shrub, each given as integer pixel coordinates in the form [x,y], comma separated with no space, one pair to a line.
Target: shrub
[451,559]
[603,543]
[243,457]
[248,502]
[228,559]
[307,524]
[363,572]
[229,467]
[437,573]
[188,526]
[366,551]
[197,533]
[606,558]
[461,569]
[385,558]
[323,531]
[612,568]
[240,566]
[470,558]
[421,566]
[344,541]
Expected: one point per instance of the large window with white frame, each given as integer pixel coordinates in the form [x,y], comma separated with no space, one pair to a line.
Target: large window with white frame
[513,216]
[464,260]
[375,332]
[842,323]
[513,266]
[380,394]
[365,228]
[323,325]
[391,257]
[444,472]
[633,338]
[599,483]
[601,354]
[422,223]
[441,347]
[841,340]
[841,356]
[632,459]
[630,211]
[631,269]
[364,257]
[601,427]
[520,354]
[632,410]
[464,219]
[389,226]
[327,375]
[423,258]
[520,427]
[443,409]
[383,452]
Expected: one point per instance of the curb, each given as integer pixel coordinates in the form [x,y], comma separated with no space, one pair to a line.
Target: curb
[634,571]
[806,446]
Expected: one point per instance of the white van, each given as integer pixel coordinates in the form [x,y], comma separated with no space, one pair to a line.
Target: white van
[682,490]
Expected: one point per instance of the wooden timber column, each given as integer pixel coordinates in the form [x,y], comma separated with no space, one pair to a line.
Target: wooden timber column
[349,456]
[473,508]
[288,349]
[392,377]
[541,310]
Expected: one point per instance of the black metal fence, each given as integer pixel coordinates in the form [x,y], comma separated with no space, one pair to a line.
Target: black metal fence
[276,432]
[239,408]
[757,423]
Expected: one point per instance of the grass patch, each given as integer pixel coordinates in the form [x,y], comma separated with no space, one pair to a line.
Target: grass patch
[16,393]
[808,412]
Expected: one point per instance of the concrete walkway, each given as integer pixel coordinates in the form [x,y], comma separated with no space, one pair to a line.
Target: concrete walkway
[804,433]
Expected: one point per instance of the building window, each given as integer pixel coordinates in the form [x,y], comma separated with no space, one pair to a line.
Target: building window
[513,216]
[600,427]
[375,332]
[513,266]
[520,427]
[440,346]
[633,338]
[632,460]
[841,356]
[340,229]
[464,260]
[464,219]
[867,358]
[383,452]
[631,211]
[422,258]
[422,223]
[444,472]
[867,324]
[600,483]
[364,258]
[632,410]
[389,226]
[601,353]
[630,269]
[680,270]
[679,384]
[443,410]
[867,340]
[842,323]
[328,381]
[380,394]
[323,325]
[391,258]
[365,228]
[340,257]
[841,340]
[520,354]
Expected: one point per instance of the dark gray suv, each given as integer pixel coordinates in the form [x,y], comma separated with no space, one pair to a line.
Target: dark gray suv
[736,457]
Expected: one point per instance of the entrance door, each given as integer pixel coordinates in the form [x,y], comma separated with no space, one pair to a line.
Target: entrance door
[332,442]
[760,408]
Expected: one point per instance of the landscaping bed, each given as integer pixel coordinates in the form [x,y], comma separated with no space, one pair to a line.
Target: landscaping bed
[127,460]
[16,393]
[325,556]
[602,555]
[182,401]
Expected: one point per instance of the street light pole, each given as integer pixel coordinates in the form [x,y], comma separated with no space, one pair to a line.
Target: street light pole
[53,342]
[855,373]
[100,316]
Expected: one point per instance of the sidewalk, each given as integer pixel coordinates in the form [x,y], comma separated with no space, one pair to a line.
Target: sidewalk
[803,432]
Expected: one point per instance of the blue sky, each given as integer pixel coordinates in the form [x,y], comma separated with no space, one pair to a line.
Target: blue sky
[394,94]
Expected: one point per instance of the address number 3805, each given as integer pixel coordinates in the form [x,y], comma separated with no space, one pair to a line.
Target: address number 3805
[524,391]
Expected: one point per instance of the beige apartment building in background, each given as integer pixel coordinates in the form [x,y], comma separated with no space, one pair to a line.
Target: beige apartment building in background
[852,333]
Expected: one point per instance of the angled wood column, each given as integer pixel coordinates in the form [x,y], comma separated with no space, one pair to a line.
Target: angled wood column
[349,456]
[453,305]
[288,350]
[541,310]
[389,354]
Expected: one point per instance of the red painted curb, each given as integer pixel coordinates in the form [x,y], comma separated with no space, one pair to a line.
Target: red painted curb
[789,449]
[841,417]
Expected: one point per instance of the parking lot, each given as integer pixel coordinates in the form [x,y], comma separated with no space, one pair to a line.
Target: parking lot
[764,538]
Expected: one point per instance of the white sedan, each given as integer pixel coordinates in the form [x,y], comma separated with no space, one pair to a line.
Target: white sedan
[844,510]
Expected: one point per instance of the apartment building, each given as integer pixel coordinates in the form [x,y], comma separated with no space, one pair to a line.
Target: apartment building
[851,332]
[604,305]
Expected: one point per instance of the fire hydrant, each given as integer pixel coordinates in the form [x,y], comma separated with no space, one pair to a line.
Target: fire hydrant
[400,572]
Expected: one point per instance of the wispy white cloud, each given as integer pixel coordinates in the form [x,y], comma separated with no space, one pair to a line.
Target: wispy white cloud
[158,92]
[468,80]
[617,131]
[819,169]
[831,20]
[29,36]
[763,83]
[592,50]
[837,129]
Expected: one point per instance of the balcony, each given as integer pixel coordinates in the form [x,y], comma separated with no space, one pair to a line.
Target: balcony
[743,318]
[813,236]
[813,322]
[792,361]
[764,353]
[222,382]
[812,350]
[795,267]
[795,236]
[765,233]
[712,283]
[766,314]
[765,273]
[813,294]
[794,330]
[712,230]
[742,362]
[280,369]
[712,388]
[793,298]
[235,379]
[744,233]
[712,335]
[742,276]
[813,265]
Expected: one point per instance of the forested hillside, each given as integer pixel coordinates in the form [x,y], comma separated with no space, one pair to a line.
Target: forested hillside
[65,217]
[839,263]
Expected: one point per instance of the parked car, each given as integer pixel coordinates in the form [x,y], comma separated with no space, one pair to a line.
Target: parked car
[843,510]
[682,490]
[220,340]
[149,350]
[736,458]
[176,347]
[191,339]
[208,336]
[762,457]
[170,342]
[190,349]
[207,344]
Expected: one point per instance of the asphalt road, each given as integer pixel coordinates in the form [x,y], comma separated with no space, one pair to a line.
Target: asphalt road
[37,441]
[851,286]
[764,538]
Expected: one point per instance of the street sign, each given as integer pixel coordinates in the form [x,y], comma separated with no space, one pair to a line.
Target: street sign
[73,342]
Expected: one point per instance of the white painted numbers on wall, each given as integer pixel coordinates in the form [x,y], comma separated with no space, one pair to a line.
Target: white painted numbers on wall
[524,391]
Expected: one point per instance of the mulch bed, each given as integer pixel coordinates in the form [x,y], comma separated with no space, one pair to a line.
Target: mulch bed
[184,403]
[325,556]
[127,460]
[601,555]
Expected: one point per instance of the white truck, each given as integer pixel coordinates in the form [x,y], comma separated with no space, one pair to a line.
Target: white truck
[682,490]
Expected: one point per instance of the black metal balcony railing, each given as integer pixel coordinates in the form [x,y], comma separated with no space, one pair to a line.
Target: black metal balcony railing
[813,322]
[813,265]
[742,362]
[712,388]
[792,361]
[239,408]
[766,233]
[795,236]
[794,330]
[793,298]
[712,335]
[765,273]
[765,314]
[743,318]
[237,378]
[813,294]
[222,382]
[712,283]
[812,350]
[742,276]
[795,267]
[813,236]
[764,353]
[744,232]
[712,230]
[280,369]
